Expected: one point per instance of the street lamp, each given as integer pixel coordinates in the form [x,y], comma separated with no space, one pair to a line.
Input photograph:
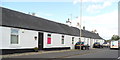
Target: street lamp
[80,23]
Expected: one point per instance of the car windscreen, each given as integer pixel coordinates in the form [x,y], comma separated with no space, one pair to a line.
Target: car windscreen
[96,43]
[78,43]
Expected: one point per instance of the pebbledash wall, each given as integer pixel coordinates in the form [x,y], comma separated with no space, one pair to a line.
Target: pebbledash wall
[21,31]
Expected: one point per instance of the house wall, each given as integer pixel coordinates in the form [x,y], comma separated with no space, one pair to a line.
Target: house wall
[5,38]
[26,39]
[91,42]
[0,37]
[56,40]
[86,41]
[101,41]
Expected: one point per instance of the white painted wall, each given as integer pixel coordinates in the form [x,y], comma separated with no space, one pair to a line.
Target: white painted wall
[88,41]
[100,41]
[91,43]
[85,41]
[26,39]
[57,42]
[0,37]
[5,38]
[95,40]
[68,41]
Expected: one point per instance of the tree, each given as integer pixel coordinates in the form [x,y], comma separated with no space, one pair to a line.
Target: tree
[115,37]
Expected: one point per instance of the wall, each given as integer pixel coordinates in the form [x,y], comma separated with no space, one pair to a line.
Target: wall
[5,38]
[0,37]
[56,40]
[26,39]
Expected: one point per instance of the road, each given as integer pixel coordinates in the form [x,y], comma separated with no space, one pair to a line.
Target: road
[101,54]
[92,53]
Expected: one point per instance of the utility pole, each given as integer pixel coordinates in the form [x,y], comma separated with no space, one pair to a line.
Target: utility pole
[80,22]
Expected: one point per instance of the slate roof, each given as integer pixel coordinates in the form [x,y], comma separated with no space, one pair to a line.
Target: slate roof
[17,19]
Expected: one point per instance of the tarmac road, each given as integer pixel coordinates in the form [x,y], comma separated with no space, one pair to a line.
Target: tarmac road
[92,53]
[102,54]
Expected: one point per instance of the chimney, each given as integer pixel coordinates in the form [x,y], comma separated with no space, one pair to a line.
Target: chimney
[97,33]
[33,14]
[94,31]
[83,27]
[68,22]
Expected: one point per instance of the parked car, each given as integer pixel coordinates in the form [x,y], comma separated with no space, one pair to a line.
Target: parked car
[97,45]
[106,44]
[83,46]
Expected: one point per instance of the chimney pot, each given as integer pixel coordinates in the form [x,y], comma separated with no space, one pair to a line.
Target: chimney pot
[83,27]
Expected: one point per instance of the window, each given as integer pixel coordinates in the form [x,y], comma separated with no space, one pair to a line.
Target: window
[14,36]
[72,40]
[14,39]
[62,39]
[49,39]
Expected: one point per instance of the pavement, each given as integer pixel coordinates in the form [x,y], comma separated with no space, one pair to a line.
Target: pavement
[92,53]
[52,54]
[32,53]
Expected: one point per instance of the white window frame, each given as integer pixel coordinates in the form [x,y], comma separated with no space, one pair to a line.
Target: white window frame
[73,40]
[14,34]
[63,39]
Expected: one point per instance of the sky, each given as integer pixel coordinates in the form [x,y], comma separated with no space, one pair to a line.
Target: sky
[101,15]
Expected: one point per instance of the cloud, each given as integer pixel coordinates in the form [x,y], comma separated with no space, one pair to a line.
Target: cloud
[94,1]
[96,8]
[105,24]
[97,5]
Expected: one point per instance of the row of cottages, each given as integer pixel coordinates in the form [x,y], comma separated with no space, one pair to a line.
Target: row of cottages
[23,32]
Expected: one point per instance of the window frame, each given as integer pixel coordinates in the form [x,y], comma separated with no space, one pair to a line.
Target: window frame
[73,40]
[49,39]
[14,34]
[63,39]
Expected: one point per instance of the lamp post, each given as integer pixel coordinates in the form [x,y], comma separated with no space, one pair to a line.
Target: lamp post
[80,22]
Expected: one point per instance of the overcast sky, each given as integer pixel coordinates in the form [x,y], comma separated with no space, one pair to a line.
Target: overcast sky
[101,15]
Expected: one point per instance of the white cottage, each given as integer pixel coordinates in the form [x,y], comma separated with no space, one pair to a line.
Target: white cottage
[20,32]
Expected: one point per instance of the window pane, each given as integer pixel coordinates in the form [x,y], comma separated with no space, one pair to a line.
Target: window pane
[72,40]
[62,41]
[49,34]
[14,31]
[14,39]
